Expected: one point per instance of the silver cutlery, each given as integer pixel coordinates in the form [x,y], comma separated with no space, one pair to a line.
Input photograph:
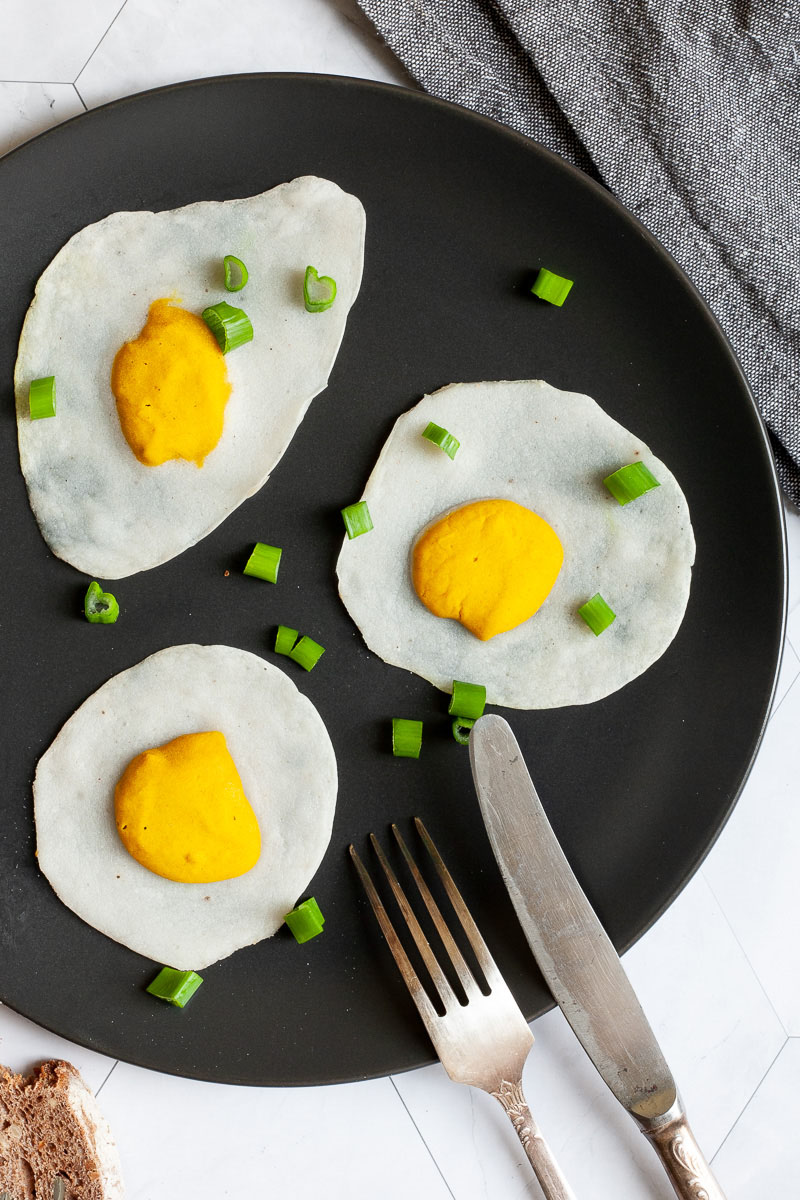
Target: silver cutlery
[577,958]
[483,1041]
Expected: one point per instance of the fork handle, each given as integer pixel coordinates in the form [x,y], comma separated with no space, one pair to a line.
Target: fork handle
[551,1178]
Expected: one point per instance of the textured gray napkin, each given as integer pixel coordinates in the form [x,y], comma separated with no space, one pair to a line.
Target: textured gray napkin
[687,110]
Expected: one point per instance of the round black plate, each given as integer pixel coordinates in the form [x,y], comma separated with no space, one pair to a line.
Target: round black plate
[460,213]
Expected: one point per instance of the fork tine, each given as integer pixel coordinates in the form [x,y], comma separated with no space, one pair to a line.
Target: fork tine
[412,981]
[440,980]
[485,960]
[456,957]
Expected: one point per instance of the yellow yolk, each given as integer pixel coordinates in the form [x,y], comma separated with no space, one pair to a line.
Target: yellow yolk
[490,564]
[181,811]
[171,387]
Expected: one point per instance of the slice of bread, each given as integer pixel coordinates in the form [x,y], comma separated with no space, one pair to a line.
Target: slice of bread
[52,1130]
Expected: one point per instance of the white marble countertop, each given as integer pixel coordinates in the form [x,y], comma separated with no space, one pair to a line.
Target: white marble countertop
[718,975]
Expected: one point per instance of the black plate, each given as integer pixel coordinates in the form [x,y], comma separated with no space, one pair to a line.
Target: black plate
[460,212]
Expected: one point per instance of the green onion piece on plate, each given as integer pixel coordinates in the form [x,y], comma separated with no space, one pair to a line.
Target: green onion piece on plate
[235,273]
[230,326]
[42,397]
[468,700]
[441,438]
[319,291]
[357,519]
[263,563]
[176,987]
[550,287]
[285,639]
[306,920]
[628,483]
[99,607]
[461,727]
[597,615]
[406,738]
[307,652]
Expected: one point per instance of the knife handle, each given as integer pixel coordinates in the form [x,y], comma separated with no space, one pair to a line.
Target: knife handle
[684,1161]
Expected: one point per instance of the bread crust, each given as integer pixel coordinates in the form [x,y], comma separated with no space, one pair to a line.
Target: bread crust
[51,1128]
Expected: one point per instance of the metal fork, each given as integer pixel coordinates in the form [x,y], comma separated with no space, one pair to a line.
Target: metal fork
[485,1041]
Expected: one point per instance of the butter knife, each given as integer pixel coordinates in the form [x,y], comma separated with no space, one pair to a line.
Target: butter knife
[577,958]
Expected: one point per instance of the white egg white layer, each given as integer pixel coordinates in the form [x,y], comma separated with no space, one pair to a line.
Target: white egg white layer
[97,506]
[288,769]
[549,450]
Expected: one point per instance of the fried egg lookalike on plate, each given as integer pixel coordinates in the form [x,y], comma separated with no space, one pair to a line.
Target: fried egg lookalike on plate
[453,582]
[282,757]
[112,506]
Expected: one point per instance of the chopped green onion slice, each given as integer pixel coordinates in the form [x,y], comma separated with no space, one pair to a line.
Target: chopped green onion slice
[468,700]
[263,563]
[597,615]
[306,920]
[319,291]
[630,482]
[307,652]
[100,607]
[461,727]
[42,397]
[235,273]
[552,288]
[285,639]
[176,987]
[406,738]
[230,326]
[357,519]
[441,438]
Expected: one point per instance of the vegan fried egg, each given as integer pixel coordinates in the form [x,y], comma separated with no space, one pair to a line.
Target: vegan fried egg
[495,605]
[130,756]
[118,483]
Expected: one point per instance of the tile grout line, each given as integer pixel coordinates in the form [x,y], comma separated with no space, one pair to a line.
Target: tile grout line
[787,642]
[745,955]
[420,1136]
[97,47]
[113,1068]
[745,1107]
[38,82]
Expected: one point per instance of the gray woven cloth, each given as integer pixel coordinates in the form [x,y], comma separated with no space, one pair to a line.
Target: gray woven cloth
[687,110]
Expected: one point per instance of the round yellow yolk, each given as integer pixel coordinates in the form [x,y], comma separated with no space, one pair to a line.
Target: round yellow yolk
[171,387]
[490,564]
[181,811]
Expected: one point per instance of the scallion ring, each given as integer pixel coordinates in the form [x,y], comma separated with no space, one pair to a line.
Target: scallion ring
[236,275]
[176,987]
[42,397]
[306,652]
[406,738]
[285,639]
[461,729]
[441,438]
[99,607]
[230,326]
[357,519]
[630,482]
[468,700]
[551,287]
[306,920]
[597,614]
[264,562]
[319,291]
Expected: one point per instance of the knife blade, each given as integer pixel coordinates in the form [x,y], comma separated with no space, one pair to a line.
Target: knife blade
[578,959]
